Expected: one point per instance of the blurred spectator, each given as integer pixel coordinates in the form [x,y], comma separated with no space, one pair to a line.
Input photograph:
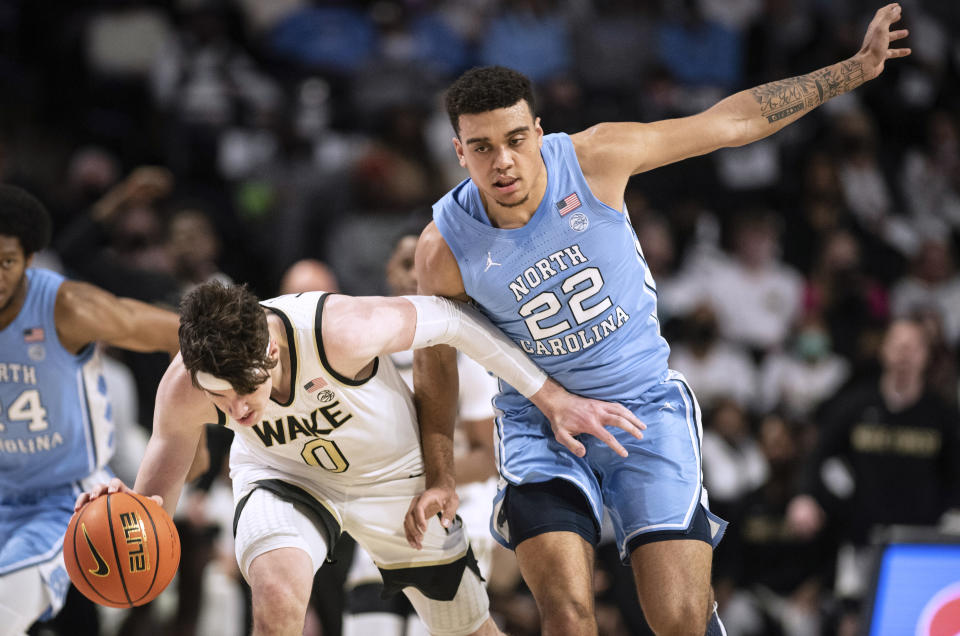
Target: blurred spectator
[715,368]
[942,372]
[306,275]
[118,243]
[193,247]
[733,464]
[900,450]
[846,298]
[865,188]
[757,298]
[930,175]
[769,579]
[799,379]
[203,82]
[932,283]
[90,172]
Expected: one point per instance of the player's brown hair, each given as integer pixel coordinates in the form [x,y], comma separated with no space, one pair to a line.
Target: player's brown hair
[223,331]
[486,88]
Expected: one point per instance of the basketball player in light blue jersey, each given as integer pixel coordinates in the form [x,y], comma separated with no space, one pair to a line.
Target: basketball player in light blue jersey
[56,434]
[538,237]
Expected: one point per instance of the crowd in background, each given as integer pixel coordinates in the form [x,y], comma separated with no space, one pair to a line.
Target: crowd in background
[176,141]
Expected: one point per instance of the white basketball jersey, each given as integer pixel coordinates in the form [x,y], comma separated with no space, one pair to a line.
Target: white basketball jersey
[332,428]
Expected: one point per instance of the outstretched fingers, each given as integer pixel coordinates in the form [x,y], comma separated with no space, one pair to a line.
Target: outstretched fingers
[607,438]
[570,442]
[622,417]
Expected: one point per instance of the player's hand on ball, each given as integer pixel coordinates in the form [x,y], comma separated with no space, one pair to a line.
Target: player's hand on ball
[115,485]
[120,549]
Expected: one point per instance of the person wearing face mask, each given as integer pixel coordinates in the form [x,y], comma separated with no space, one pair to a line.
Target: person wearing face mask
[900,445]
[799,379]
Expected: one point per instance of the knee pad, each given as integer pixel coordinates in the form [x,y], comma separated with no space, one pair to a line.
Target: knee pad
[463,615]
[268,522]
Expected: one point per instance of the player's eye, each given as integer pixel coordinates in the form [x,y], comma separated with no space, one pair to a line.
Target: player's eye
[516,141]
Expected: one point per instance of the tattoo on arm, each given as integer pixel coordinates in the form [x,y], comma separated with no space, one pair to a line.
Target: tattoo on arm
[786,97]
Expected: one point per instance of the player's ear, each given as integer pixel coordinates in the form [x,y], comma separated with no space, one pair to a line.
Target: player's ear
[459,148]
[537,127]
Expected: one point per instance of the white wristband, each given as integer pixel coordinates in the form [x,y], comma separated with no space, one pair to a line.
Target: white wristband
[443,321]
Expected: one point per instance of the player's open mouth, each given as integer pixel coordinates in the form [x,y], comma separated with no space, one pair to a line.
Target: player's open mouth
[506,184]
[247,419]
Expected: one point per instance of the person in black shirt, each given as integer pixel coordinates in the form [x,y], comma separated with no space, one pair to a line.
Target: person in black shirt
[901,446]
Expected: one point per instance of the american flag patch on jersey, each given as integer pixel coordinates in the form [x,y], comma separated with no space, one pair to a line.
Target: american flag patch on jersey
[568,204]
[315,385]
[33,334]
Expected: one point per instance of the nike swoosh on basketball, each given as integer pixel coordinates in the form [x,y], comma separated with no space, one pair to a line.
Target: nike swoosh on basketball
[102,568]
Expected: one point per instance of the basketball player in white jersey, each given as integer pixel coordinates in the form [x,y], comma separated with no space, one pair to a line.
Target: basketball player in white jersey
[366,611]
[327,439]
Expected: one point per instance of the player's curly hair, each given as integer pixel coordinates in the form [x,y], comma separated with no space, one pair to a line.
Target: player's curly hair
[487,88]
[223,331]
[23,216]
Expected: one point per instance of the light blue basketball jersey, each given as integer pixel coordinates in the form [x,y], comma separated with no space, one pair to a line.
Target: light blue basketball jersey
[571,286]
[55,420]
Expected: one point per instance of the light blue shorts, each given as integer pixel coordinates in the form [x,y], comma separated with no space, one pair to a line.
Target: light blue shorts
[32,526]
[657,488]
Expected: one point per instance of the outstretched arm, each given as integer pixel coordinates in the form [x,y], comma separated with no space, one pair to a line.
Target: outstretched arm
[179,420]
[611,152]
[85,313]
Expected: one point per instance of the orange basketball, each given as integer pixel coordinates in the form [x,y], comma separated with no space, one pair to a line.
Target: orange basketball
[121,549]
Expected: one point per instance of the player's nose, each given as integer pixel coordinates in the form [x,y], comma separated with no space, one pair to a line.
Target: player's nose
[503,159]
[239,408]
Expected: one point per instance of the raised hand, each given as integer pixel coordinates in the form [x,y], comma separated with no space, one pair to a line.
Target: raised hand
[876,50]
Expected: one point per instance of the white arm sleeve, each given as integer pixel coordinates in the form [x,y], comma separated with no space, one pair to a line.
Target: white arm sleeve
[443,321]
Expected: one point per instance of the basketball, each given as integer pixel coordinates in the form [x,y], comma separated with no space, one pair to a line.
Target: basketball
[121,549]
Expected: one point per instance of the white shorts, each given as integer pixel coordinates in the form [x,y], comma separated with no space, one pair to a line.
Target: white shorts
[372,513]
[476,502]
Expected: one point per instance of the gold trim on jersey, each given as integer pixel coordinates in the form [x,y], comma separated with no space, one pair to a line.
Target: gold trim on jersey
[424,564]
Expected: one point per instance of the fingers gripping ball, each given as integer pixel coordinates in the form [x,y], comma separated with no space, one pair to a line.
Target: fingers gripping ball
[121,550]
